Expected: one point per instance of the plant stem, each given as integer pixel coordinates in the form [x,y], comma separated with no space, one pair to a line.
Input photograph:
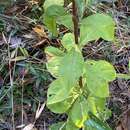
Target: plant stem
[75,20]
[76,32]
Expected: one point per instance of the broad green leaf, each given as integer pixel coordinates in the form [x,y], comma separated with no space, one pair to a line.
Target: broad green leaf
[58,126]
[50,23]
[71,66]
[53,65]
[105,115]
[54,56]
[97,26]
[70,125]
[53,2]
[53,51]
[66,20]
[64,126]
[68,41]
[98,107]
[50,16]
[91,105]
[57,14]
[78,112]
[100,104]
[61,96]
[96,123]
[55,11]
[98,74]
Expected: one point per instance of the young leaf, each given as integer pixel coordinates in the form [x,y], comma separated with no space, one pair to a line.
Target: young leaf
[97,26]
[48,3]
[61,96]
[101,72]
[71,66]
[68,41]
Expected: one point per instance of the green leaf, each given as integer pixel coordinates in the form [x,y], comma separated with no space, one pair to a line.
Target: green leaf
[81,107]
[78,112]
[54,56]
[71,66]
[53,65]
[91,104]
[55,11]
[57,14]
[97,26]
[96,123]
[53,51]
[70,125]
[98,74]
[68,41]
[61,96]
[50,16]
[98,107]
[50,23]
[48,3]
[58,126]
[66,20]
[64,126]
